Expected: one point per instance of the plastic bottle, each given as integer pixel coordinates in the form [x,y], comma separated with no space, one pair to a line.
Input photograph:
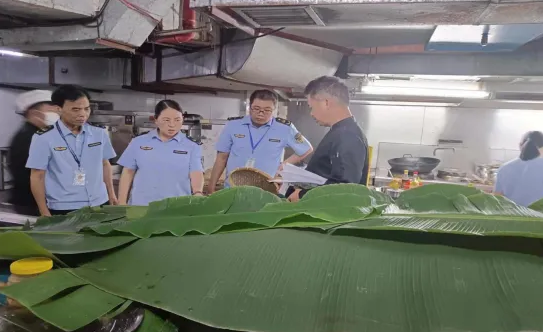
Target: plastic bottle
[27,268]
[415,182]
[406,182]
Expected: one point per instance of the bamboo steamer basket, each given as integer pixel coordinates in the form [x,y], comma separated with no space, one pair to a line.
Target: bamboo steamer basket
[247,176]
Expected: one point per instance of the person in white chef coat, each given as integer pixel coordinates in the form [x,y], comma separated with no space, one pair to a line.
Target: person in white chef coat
[39,112]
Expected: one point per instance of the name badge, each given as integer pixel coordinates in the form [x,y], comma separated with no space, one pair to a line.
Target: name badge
[146,148]
[95,144]
[239,135]
[179,152]
[275,140]
[60,148]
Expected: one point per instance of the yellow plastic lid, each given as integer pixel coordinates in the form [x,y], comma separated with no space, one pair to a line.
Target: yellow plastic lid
[30,266]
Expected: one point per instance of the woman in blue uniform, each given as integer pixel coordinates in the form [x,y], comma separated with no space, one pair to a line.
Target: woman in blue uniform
[521,179]
[162,163]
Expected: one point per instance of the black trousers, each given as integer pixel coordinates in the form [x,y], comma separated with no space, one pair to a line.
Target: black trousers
[63,212]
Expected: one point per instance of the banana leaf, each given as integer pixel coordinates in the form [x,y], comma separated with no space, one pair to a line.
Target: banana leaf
[153,323]
[399,272]
[16,245]
[42,287]
[78,308]
[216,223]
[377,198]
[290,280]
[74,222]
[246,208]
[537,206]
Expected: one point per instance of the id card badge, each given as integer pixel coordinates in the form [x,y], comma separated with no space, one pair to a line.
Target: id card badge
[79,177]
[250,163]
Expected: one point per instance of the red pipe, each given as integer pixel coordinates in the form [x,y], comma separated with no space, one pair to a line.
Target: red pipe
[189,23]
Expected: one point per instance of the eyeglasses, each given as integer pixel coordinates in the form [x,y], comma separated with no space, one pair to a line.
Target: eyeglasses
[170,121]
[263,111]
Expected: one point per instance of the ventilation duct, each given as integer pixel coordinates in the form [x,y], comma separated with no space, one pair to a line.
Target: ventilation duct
[248,62]
[383,12]
[117,26]
[279,16]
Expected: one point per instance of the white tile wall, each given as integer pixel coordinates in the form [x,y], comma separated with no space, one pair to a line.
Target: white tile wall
[488,135]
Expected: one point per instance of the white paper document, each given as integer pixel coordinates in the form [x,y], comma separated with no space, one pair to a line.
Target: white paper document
[295,175]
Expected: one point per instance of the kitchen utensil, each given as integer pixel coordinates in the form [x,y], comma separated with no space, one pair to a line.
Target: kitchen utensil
[450,172]
[487,172]
[423,165]
[393,193]
[246,176]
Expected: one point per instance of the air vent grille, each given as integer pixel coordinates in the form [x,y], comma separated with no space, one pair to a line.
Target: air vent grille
[279,16]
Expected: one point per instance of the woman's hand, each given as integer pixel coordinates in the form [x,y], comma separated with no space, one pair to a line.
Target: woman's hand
[113,200]
[198,193]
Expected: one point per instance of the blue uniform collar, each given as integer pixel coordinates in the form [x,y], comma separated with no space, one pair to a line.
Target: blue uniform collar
[247,121]
[65,131]
[154,135]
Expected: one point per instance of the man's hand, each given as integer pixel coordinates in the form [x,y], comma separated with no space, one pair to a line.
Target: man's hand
[45,213]
[198,194]
[113,200]
[295,196]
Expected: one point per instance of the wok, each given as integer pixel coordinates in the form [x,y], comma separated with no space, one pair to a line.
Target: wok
[423,165]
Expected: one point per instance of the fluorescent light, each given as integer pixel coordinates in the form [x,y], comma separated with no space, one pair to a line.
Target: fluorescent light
[446,78]
[402,103]
[423,92]
[12,53]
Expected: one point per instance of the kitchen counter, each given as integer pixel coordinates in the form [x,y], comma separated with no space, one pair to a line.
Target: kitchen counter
[383,181]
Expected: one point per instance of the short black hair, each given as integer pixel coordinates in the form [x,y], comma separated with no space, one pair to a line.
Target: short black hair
[263,95]
[531,143]
[164,104]
[68,92]
[330,85]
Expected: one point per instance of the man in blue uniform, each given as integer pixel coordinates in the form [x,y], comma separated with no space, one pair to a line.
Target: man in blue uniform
[258,140]
[342,155]
[69,161]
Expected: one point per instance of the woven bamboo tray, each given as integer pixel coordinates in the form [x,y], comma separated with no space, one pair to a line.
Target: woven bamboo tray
[247,176]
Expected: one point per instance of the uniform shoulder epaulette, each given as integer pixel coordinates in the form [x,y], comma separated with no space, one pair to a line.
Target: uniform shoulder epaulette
[97,125]
[44,130]
[193,140]
[283,121]
[235,118]
[141,134]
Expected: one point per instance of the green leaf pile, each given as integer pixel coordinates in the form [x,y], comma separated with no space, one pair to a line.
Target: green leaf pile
[344,258]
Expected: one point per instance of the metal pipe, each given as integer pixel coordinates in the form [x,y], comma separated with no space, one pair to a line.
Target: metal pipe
[182,32]
[189,23]
[435,150]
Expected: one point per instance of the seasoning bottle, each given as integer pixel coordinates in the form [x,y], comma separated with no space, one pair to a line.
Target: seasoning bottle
[406,182]
[415,182]
[27,268]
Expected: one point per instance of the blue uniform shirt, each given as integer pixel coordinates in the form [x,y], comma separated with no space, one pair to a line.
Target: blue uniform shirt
[49,152]
[162,168]
[521,181]
[270,141]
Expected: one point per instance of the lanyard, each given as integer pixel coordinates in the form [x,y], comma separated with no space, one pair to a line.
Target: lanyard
[69,148]
[253,145]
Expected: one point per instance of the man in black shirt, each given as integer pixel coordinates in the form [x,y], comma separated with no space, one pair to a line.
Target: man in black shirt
[342,155]
[39,112]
